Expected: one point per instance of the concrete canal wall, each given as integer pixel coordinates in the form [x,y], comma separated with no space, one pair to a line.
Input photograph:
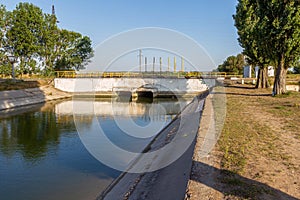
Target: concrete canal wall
[17,98]
[112,85]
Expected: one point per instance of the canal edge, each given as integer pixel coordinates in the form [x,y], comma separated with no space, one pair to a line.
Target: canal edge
[137,177]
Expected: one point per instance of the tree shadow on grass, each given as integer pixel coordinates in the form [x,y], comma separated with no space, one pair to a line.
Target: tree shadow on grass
[232,184]
[242,87]
[244,94]
[245,91]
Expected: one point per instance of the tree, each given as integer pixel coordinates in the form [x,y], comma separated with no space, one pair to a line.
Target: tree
[297,70]
[280,34]
[269,31]
[3,14]
[74,51]
[48,39]
[24,33]
[84,52]
[5,66]
[2,28]
[233,64]
[247,23]
[35,39]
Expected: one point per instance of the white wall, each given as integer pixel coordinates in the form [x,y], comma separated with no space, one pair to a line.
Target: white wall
[108,84]
[247,71]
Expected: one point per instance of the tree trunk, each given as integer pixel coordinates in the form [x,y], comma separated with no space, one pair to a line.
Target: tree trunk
[262,80]
[280,79]
[22,66]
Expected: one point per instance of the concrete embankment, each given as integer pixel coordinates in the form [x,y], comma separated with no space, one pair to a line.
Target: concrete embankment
[110,86]
[160,180]
[16,98]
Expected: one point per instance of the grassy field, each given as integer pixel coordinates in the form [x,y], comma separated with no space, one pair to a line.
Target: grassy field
[260,144]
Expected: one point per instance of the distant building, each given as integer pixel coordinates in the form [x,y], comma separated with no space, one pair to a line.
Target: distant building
[247,71]
[271,71]
[256,71]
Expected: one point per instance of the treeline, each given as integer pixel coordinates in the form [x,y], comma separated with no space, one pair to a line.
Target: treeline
[297,68]
[233,64]
[38,44]
[269,32]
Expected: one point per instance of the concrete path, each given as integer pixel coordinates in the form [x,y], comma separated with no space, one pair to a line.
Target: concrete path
[169,182]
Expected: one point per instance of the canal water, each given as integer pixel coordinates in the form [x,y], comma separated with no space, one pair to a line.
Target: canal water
[42,156]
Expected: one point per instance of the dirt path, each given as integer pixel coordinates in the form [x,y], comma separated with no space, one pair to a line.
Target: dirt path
[257,156]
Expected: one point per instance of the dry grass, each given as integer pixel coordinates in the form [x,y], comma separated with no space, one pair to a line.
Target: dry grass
[8,84]
[261,141]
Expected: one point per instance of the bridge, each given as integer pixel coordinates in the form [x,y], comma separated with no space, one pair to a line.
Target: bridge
[136,84]
[163,74]
[131,87]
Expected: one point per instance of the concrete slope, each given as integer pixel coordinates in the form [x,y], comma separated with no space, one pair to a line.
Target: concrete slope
[169,182]
[17,98]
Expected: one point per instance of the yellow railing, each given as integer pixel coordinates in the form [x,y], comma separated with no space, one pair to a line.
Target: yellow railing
[73,74]
[192,74]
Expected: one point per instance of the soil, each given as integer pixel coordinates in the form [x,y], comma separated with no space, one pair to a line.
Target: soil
[257,155]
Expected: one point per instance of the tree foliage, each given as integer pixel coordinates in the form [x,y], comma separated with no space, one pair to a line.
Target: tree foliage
[269,31]
[34,38]
[3,18]
[23,36]
[281,22]
[48,41]
[297,68]
[233,64]
[75,51]
[247,24]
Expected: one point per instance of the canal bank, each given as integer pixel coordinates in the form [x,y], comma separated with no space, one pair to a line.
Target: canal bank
[168,182]
[17,98]
[255,157]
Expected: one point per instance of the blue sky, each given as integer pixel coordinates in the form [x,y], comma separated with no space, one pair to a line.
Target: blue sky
[209,22]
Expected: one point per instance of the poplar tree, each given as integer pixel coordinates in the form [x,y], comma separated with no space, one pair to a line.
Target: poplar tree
[280,20]
[269,32]
[247,23]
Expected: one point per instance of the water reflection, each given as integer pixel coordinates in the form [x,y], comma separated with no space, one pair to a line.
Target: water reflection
[30,134]
[110,108]
[42,157]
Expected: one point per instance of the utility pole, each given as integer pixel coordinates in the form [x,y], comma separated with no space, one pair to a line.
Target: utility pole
[168,64]
[174,64]
[53,10]
[53,13]
[145,64]
[140,59]
[153,64]
[160,66]
[182,64]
